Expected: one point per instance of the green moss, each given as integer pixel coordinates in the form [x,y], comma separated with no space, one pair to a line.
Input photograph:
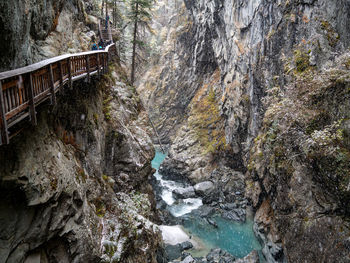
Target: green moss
[100,207]
[117,135]
[53,183]
[141,202]
[81,176]
[270,34]
[107,112]
[332,36]
[96,117]
[110,250]
[302,60]
[250,167]
[245,98]
[207,122]
[317,123]
[347,63]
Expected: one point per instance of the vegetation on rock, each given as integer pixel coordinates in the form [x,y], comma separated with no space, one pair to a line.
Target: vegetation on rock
[206,120]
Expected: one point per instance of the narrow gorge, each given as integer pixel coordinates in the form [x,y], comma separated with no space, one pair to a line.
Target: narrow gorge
[229,141]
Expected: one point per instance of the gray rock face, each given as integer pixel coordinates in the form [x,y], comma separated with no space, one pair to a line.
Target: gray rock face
[75,189]
[35,30]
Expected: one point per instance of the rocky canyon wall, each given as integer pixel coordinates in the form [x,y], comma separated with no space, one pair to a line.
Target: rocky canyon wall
[263,87]
[33,30]
[75,187]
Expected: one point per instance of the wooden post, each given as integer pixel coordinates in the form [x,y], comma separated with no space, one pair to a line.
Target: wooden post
[107,61]
[61,75]
[98,65]
[20,87]
[87,61]
[70,73]
[103,63]
[31,101]
[4,136]
[52,86]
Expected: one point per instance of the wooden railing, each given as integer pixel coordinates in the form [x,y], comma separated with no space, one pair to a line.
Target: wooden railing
[21,90]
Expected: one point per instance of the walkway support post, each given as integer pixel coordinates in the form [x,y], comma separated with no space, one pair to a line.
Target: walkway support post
[98,66]
[70,73]
[103,63]
[52,86]
[31,101]
[87,61]
[61,75]
[4,136]
[107,61]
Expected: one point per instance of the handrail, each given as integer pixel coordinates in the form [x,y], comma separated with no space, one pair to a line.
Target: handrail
[46,62]
[21,90]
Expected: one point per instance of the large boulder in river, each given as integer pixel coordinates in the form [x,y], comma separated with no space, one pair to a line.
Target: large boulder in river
[183,193]
[173,251]
[219,255]
[186,245]
[204,188]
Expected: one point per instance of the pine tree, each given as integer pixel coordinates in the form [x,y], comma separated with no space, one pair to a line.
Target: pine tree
[140,17]
[103,3]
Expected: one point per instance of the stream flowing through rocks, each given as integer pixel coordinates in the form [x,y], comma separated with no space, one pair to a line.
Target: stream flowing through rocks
[192,228]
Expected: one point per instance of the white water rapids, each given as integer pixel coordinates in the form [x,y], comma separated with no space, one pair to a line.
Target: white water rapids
[178,207]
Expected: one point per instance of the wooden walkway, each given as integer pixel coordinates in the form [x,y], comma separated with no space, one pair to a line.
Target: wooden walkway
[105,34]
[23,89]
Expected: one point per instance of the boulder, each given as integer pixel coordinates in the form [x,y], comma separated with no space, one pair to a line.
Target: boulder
[219,255]
[204,211]
[173,251]
[186,245]
[204,188]
[188,259]
[184,193]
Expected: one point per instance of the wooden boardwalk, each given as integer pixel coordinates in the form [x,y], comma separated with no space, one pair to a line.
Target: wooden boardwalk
[23,89]
[105,33]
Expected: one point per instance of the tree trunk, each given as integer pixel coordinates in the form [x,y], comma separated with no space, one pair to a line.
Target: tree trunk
[103,2]
[134,45]
[115,13]
[106,8]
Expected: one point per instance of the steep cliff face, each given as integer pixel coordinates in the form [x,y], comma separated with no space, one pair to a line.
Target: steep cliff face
[33,30]
[170,86]
[282,94]
[74,188]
